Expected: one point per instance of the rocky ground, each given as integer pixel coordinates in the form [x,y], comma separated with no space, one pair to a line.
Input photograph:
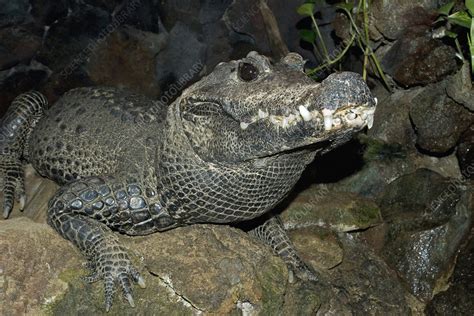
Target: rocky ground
[385,220]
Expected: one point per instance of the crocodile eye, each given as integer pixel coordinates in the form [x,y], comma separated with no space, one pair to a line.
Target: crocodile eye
[248,72]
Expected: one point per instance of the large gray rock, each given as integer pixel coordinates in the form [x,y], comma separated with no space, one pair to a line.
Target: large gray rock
[459,87]
[13,11]
[392,121]
[127,58]
[182,59]
[18,44]
[458,299]
[417,59]
[366,285]
[386,163]
[339,211]
[34,267]
[392,17]
[48,12]
[439,121]
[427,217]
[318,247]
[465,153]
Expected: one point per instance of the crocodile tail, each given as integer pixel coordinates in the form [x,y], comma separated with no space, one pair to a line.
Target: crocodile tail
[15,129]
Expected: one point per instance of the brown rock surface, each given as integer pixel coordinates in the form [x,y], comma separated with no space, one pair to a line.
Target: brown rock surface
[127,59]
[33,257]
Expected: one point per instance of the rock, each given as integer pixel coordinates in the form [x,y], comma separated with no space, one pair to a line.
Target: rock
[427,216]
[207,32]
[302,299]
[70,42]
[459,87]
[422,190]
[109,5]
[360,284]
[13,12]
[417,59]
[202,267]
[339,211]
[48,12]
[318,247]
[18,45]
[365,284]
[392,122]
[391,18]
[126,58]
[92,53]
[224,261]
[385,163]
[198,37]
[446,166]
[33,267]
[182,59]
[439,121]
[251,24]
[458,299]
[465,153]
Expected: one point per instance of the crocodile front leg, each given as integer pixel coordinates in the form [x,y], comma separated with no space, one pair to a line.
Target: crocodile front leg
[15,128]
[272,233]
[84,212]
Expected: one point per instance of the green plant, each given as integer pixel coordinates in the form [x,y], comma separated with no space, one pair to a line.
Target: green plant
[359,37]
[462,18]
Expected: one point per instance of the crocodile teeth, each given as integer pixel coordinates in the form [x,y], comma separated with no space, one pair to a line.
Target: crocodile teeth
[244,125]
[370,120]
[327,114]
[262,114]
[285,123]
[305,114]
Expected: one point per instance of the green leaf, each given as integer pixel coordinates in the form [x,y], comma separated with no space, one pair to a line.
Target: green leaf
[470,38]
[461,18]
[440,19]
[450,34]
[470,6]
[307,36]
[306,9]
[444,10]
[472,28]
[345,6]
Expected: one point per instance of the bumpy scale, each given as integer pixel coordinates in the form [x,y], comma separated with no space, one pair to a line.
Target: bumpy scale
[227,150]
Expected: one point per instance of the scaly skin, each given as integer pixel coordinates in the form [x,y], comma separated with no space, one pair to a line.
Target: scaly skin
[227,150]
[15,129]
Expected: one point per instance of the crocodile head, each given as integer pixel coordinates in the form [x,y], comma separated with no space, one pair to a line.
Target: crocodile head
[253,108]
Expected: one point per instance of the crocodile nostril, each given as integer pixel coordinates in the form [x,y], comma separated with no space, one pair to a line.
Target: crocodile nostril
[351,116]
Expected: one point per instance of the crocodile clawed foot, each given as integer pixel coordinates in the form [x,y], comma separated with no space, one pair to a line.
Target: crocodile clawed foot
[305,273]
[115,269]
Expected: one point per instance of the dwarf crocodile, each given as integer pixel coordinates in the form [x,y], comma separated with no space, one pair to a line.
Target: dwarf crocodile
[227,150]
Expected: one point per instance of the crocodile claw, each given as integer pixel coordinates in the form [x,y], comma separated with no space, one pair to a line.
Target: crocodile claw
[6,211]
[115,269]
